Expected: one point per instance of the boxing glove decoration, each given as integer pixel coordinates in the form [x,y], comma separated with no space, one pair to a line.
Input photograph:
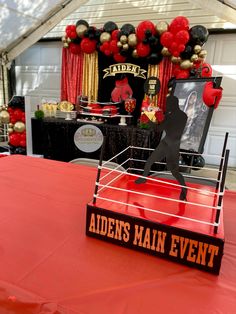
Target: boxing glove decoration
[212,96]
[122,91]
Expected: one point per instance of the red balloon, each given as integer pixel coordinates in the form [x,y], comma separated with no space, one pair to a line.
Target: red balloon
[182,37]
[23,136]
[143,27]
[113,46]
[176,69]
[107,52]
[17,114]
[183,74]
[114,34]
[206,70]
[178,24]
[106,45]
[23,117]
[143,50]
[10,110]
[181,48]
[167,39]
[119,58]
[22,143]
[13,120]
[88,46]
[71,31]
[175,53]
[14,139]
[74,48]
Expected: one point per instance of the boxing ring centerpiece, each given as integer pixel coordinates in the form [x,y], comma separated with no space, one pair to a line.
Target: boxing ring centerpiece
[151,218]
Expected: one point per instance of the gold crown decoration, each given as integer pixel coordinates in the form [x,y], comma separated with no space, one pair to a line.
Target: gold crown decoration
[65,106]
[88,132]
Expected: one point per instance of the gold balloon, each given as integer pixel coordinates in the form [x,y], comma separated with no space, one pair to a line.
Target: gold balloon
[80,30]
[201,59]
[10,130]
[186,64]
[4,116]
[10,125]
[19,127]
[197,49]
[161,27]
[63,39]
[125,46]
[194,58]
[175,59]
[165,52]
[134,53]
[68,39]
[105,37]
[65,45]
[202,54]
[132,40]
[119,44]
[123,39]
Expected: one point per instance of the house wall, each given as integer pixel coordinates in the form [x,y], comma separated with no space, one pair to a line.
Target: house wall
[38,75]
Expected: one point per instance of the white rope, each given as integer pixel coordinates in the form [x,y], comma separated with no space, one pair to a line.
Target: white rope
[183,174]
[112,170]
[187,153]
[117,155]
[156,196]
[168,183]
[104,186]
[184,166]
[159,212]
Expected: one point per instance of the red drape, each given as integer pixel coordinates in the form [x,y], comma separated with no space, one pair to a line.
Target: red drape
[71,75]
[165,73]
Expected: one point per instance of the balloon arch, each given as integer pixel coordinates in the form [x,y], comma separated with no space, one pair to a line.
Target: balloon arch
[182,44]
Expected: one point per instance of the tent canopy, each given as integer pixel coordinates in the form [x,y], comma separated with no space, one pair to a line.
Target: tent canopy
[24,22]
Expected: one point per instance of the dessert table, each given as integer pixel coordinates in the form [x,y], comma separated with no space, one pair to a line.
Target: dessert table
[54,138]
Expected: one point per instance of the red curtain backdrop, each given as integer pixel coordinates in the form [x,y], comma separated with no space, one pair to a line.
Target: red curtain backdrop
[71,75]
[165,73]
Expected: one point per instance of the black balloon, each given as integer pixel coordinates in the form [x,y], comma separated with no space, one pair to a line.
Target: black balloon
[187,53]
[198,34]
[154,58]
[148,33]
[82,22]
[97,33]
[152,40]
[127,29]
[109,27]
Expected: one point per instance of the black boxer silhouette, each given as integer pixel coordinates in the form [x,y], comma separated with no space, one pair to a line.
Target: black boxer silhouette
[173,124]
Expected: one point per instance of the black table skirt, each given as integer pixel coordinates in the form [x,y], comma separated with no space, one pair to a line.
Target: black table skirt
[54,138]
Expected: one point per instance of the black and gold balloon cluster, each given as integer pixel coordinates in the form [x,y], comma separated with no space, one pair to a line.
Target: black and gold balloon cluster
[184,45]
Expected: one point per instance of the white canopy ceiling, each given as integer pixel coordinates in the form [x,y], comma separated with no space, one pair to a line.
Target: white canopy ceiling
[24,22]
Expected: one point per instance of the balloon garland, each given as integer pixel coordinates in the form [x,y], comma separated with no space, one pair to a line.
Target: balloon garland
[182,44]
[16,126]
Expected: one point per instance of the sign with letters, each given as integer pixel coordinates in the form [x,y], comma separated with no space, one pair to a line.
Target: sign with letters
[125,68]
[180,245]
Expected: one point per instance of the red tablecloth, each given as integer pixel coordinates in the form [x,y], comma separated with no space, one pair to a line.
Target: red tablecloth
[48,265]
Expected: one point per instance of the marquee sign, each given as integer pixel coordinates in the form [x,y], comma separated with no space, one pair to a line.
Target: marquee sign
[180,245]
[125,68]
